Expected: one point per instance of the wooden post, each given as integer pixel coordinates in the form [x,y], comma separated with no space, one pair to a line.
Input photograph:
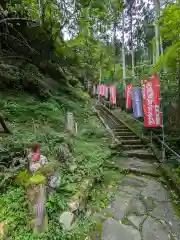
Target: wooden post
[3,124]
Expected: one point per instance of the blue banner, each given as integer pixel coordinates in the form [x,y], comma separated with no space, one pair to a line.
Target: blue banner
[136,102]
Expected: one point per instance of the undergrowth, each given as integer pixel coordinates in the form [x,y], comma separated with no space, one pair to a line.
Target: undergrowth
[29,120]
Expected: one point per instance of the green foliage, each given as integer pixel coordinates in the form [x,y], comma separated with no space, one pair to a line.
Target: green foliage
[14,209]
[170,31]
[107,185]
[26,179]
[31,120]
[91,150]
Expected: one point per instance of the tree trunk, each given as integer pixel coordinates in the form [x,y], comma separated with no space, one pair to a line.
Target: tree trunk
[3,124]
[123,53]
[178,78]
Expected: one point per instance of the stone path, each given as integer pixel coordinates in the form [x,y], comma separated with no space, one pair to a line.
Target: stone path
[140,210]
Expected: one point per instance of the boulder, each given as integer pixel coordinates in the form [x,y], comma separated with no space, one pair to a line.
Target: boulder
[67,220]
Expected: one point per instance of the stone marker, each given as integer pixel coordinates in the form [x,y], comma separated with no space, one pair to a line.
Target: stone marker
[54,181]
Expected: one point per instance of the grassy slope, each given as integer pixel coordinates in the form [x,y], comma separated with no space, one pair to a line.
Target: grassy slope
[33,120]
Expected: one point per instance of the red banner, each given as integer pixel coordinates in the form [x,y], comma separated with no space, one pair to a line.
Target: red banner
[151,101]
[103,90]
[128,94]
[112,90]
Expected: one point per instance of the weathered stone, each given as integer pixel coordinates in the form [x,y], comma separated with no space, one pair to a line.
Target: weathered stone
[141,178]
[155,230]
[149,203]
[113,230]
[37,198]
[67,220]
[165,212]
[137,207]
[131,190]
[118,207]
[64,153]
[140,153]
[131,181]
[99,218]
[70,126]
[72,167]
[155,190]
[136,220]
[54,181]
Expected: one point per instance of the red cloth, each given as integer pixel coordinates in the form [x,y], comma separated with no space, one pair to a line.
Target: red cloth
[151,102]
[36,155]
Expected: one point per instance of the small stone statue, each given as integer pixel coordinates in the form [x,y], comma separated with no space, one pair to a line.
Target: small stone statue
[35,158]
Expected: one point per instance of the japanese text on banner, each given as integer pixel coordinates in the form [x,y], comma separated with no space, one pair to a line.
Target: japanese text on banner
[151,102]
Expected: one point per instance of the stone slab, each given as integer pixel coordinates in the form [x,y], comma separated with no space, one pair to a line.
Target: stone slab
[138,165]
[133,182]
[131,190]
[155,190]
[140,153]
[117,209]
[165,212]
[136,220]
[113,230]
[154,230]
[136,207]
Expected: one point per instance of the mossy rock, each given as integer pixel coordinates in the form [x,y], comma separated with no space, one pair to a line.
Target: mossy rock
[36,179]
[24,178]
[48,168]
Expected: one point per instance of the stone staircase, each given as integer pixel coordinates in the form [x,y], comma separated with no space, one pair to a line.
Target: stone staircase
[140,207]
[132,155]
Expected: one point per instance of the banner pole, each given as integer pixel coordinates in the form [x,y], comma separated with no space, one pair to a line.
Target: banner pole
[151,137]
[163,135]
[162,121]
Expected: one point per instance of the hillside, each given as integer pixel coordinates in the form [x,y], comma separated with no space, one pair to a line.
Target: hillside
[42,77]
[32,120]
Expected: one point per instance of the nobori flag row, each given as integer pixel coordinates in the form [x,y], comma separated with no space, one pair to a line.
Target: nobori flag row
[144,100]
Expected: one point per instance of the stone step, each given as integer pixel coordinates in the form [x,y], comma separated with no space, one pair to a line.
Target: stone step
[142,154]
[131,142]
[140,146]
[137,165]
[125,134]
[122,130]
[133,137]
